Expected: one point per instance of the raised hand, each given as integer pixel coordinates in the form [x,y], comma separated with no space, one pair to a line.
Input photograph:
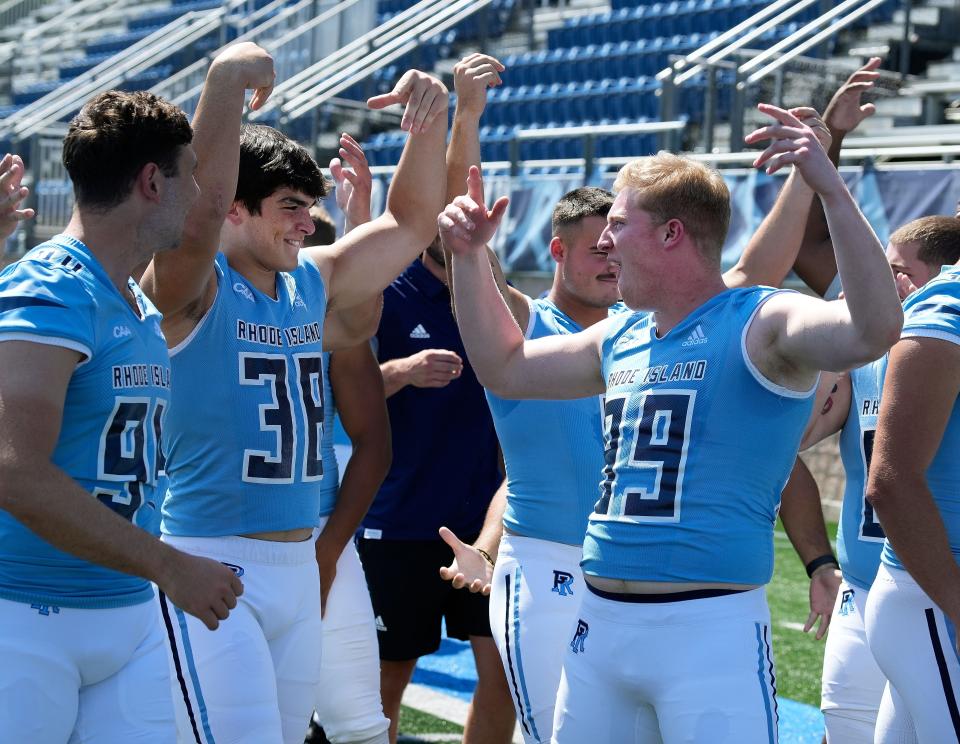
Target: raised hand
[469,568]
[255,66]
[795,143]
[354,183]
[845,110]
[905,287]
[811,118]
[471,77]
[467,225]
[205,588]
[12,193]
[424,96]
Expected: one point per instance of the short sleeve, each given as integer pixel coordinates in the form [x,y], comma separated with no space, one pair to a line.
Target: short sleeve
[48,305]
[933,311]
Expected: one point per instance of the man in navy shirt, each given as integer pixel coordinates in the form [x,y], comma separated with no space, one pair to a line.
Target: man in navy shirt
[445,471]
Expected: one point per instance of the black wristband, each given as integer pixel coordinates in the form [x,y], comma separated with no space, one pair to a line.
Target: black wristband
[485,555]
[823,560]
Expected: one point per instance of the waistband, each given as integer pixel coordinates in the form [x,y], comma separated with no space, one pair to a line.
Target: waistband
[664,598]
[269,552]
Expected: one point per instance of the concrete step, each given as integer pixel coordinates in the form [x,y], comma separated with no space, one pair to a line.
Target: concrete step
[923,16]
[884,32]
[900,106]
[944,70]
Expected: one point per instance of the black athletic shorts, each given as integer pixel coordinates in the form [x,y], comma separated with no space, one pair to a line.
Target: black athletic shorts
[409,597]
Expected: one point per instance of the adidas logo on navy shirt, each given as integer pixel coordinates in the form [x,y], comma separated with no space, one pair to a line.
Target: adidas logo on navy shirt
[380,624]
[696,337]
[419,332]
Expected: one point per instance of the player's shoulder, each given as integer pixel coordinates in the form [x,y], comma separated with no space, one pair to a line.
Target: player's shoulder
[47,276]
[934,309]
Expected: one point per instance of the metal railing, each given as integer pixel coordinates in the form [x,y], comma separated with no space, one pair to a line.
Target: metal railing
[291,32]
[723,53]
[12,11]
[318,83]
[176,36]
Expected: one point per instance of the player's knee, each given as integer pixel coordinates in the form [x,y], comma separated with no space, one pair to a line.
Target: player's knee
[845,726]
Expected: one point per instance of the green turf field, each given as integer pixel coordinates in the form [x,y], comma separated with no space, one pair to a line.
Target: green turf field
[798,656]
[415,722]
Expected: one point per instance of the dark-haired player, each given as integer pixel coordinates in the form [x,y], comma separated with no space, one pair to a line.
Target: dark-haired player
[84,388]
[244,309]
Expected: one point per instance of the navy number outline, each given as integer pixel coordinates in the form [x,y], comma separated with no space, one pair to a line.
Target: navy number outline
[661,441]
[122,452]
[273,370]
[870,529]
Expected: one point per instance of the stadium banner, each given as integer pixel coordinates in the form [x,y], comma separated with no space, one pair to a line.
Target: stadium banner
[888,196]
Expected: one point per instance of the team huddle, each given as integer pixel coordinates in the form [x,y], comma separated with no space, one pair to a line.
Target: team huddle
[190,598]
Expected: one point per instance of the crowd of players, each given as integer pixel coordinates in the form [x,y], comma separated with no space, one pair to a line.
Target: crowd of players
[197,403]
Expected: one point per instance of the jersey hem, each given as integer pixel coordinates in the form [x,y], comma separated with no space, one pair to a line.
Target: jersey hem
[81,603]
[60,341]
[931,333]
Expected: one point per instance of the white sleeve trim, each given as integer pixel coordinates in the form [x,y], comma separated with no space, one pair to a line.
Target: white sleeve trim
[531,319]
[36,338]
[931,333]
[769,384]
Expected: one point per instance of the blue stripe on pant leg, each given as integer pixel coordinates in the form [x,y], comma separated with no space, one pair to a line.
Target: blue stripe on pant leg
[192,667]
[764,689]
[516,643]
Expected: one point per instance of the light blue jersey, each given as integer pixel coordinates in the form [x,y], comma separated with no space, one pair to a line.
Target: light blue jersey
[553,449]
[860,537]
[60,295]
[246,415]
[699,446]
[933,311]
[330,485]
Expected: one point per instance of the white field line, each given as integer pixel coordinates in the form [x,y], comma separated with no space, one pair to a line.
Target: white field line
[444,706]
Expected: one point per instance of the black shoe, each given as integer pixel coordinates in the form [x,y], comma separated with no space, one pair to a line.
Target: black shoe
[315,734]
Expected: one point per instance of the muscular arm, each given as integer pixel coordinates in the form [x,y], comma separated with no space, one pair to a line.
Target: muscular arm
[357,266]
[358,390]
[919,393]
[815,263]
[181,282]
[472,76]
[792,335]
[51,504]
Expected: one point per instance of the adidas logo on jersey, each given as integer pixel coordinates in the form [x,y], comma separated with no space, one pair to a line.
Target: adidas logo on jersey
[380,625]
[419,332]
[696,337]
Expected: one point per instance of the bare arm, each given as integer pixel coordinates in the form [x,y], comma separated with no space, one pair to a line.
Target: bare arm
[358,390]
[919,392]
[182,280]
[472,76]
[830,408]
[772,250]
[803,334]
[357,267]
[815,263]
[552,368]
[51,504]
[802,518]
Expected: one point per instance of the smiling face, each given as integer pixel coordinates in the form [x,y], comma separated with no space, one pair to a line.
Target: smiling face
[585,272]
[274,237]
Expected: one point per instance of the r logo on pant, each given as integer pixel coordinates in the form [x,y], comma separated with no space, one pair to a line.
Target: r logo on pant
[580,637]
[562,583]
